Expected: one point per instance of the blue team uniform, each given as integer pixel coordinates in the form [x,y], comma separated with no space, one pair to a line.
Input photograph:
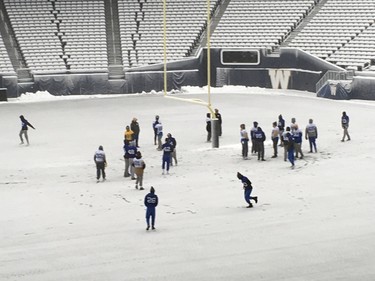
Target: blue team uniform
[151,201]
[167,152]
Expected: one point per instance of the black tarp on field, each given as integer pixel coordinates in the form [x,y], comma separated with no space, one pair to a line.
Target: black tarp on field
[72,84]
[336,90]
[148,81]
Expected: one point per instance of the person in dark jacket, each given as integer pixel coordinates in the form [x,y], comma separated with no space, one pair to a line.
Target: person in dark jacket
[101,162]
[208,126]
[345,126]
[151,201]
[24,128]
[154,128]
[218,116]
[167,149]
[130,150]
[289,145]
[259,138]
[173,142]
[134,126]
[247,189]
[253,130]
[281,125]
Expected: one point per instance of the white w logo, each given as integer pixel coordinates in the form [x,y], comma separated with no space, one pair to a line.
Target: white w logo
[279,78]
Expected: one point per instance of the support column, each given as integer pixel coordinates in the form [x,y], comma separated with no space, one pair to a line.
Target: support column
[215,125]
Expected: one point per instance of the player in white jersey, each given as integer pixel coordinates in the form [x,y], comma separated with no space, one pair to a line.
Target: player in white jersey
[244,141]
[311,133]
[101,163]
[139,167]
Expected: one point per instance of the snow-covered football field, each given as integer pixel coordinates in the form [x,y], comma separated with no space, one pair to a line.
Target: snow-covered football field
[316,222]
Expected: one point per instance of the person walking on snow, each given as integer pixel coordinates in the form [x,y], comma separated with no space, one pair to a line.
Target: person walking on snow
[167,154]
[24,128]
[130,150]
[345,126]
[247,190]
[139,167]
[244,141]
[101,162]
[311,133]
[151,201]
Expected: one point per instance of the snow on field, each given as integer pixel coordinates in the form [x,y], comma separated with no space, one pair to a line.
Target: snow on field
[316,222]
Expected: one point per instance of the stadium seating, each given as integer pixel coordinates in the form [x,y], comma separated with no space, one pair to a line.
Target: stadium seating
[142,32]
[56,36]
[259,23]
[6,66]
[336,29]
[62,36]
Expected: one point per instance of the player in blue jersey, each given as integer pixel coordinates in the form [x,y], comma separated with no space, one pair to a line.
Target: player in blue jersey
[247,190]
[130,150]
[151,201]
[173,142]
[289,145]
[259,138]
[297,136]
[345,126]
[24,128]
[167,148]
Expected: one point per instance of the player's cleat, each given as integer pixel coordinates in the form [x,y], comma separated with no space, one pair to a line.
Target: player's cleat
[133,178]
[153,228]
[141,188]
[136,186]
[256,199]
[148,228]
[250,206]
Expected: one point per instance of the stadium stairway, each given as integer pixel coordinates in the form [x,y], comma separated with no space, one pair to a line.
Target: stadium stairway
[215,19]
[303,23]
[14,52]
[115,62]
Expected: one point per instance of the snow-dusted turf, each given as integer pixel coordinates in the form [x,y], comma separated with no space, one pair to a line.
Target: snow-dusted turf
[316,222]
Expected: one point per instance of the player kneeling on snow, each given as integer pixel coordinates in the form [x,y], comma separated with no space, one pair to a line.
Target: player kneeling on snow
[247,189]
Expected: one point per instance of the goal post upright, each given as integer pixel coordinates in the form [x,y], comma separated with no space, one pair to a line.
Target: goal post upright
[214,121]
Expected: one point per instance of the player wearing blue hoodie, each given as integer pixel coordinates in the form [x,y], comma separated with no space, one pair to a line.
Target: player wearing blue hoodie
[289,145]
[151,201]
[167,148]
[247,189]
[259,138]
[24,125]
[297,135]
[345,126]
[130,150]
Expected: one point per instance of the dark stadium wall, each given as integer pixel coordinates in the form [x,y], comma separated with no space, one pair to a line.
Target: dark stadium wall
[289,69]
